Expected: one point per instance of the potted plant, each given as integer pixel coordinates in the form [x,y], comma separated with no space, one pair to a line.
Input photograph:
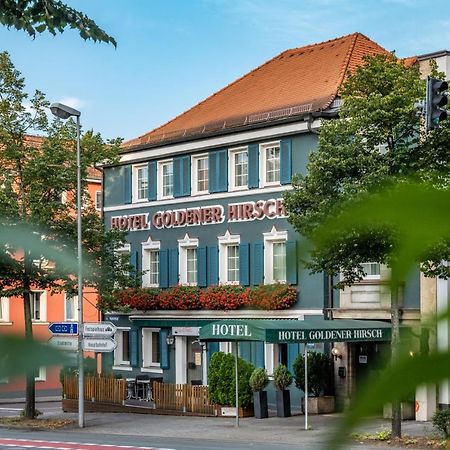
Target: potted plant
[320,381]
[282,378]
[258,381]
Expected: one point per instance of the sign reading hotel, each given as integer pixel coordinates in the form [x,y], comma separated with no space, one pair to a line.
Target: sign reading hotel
[203,215]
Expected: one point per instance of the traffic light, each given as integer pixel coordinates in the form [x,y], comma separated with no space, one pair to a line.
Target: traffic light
[436,98]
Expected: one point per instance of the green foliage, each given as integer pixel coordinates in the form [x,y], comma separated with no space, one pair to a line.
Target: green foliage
[89,365]
[222,380]
[37,16]
[282,378]
[259,379]
[441,421]
[320,373]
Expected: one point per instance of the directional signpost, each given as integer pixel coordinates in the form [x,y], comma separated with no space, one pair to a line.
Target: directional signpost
[92,344]
[63,327]
[100,329]
[97,337]
[64,342]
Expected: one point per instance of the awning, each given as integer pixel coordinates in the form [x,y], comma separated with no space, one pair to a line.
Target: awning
[311,329]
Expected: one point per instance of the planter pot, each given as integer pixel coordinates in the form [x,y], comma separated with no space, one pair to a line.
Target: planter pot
[260,404]
[407,411]
[319,405]
[283,403]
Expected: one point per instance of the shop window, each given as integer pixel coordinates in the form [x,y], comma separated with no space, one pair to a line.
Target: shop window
[122,351]
[38,306]
[4,309]
[40,374]
[165,179]
[270,164]
[200,174]
[151,348]
[238,169]
[371,270]
[150,263]
[98,200]
[140,183]
[275,266]
[70,307]
[229,259]
[188,260]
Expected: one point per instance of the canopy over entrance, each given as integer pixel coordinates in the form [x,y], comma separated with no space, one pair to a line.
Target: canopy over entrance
[311,329]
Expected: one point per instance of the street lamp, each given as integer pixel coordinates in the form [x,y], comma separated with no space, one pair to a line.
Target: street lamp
[64,112]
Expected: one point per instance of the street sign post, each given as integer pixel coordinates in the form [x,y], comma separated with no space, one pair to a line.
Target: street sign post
[101,345]
[63,327]
[69,343]
[100,329]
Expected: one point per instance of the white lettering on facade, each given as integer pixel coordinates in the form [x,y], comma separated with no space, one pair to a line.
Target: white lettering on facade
[132,222]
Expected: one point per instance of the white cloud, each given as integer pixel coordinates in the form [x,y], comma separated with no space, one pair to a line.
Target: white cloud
[73,102]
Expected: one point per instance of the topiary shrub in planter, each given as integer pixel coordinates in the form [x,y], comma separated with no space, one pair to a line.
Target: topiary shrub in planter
[272,296]
[320,381]
[144,299]
[180,297]
[221,380]
[258,381]
[282,379]
[224,297]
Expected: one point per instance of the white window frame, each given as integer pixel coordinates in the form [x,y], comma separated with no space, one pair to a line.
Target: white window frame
[224,242]
[4,310]
[194,175]
[183,246]
[263,163]
[148,247]
[75,307]
[135,190]
[42,376]
[147,364]
[98,200]
[231,169]
[161,164]
[119,363]
[42,308]
[372,277]
[271,238]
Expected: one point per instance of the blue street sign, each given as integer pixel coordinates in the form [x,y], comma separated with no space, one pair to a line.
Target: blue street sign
[63,327]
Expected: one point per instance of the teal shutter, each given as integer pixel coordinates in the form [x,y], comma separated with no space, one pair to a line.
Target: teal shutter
[164,349]
[164,268]
[107,362]
[212,257]
[201,267]
[182,176]
[127,184]
[133,348]
[259,354]
[245,351]
[134,260]
[257,264]
[291,262]
[244,264]
[213,347]
[292,352]
[253,166]
[173,266]
[218,171]
[152,180]
[286,161]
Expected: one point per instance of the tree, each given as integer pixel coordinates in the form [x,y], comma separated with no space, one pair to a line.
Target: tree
[37,16]
[377,139]
[35,175]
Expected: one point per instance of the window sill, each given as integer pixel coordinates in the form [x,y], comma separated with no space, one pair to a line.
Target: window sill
[265,185]
[199,193]
[170,197]
[141,200]
[151,369]
[40,322]
[238,188]
[124,367]
[5,323]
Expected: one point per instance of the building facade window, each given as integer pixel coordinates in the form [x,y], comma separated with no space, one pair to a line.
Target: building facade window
[275,256]
[188,260]
[70,307]
[372,271]
[98,200]
[122,352]
[238,168]
[229,258]
[4,309]
[140,184]
[150,263]
[270,164]
[38,306]
[151,353]
[200,174]
[165,179]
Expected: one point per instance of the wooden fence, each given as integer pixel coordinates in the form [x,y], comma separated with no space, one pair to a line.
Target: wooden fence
[183,397]
[106,390]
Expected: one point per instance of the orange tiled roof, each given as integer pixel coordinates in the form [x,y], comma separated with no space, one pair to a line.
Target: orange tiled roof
[294,82]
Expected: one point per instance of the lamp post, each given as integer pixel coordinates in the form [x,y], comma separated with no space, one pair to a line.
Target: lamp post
[64,112]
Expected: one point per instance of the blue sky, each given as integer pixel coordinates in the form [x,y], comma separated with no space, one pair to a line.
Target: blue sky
[172,54]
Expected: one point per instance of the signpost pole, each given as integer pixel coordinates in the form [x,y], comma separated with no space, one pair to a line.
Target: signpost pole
[306,386]
[237,381]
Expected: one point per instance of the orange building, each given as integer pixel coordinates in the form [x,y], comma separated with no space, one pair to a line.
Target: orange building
[47,308]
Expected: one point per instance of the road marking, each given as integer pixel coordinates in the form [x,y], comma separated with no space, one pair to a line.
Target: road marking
[58,445]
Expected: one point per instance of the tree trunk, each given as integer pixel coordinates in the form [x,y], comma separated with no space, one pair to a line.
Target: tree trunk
[30,394]
[395,340]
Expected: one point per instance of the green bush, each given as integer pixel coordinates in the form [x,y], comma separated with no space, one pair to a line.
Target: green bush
[89,364]
[221,380]
[320,373]
[259,379]
[441,421]
[282,378]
